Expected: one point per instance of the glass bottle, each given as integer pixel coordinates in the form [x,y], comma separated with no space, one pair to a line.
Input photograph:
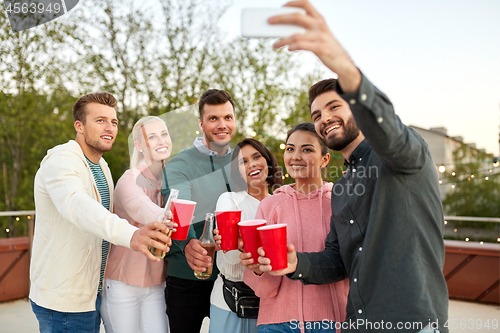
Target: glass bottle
[208,243]
[165,218]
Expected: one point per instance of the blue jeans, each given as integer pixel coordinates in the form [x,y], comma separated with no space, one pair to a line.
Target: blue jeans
[50,321]
[295,326]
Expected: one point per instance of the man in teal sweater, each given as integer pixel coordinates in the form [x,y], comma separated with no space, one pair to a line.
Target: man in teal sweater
[200,173]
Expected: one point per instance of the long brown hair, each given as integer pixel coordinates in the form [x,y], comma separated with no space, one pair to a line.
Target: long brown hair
[274,177]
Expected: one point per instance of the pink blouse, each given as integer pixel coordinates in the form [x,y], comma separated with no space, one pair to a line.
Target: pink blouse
[136,199]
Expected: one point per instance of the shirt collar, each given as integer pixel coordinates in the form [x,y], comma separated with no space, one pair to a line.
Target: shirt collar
[198,143]
[357,154]
[90,162]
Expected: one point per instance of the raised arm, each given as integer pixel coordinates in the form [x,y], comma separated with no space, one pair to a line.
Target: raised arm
[400,146]
[319,40]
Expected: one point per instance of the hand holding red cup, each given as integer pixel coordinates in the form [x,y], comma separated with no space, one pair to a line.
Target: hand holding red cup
[227,224]
[182,214]
[274,242]
[250,236]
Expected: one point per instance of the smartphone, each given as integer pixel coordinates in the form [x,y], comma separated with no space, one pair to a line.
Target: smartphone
[254,23]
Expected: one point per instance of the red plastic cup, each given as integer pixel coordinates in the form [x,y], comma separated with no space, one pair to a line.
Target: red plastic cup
[250,236]
[273,238]
[182,211]
[227,223]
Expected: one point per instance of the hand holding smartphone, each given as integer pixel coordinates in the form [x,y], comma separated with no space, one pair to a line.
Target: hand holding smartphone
[254,23]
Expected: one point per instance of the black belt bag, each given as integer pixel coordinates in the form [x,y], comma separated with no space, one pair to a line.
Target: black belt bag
[241,299]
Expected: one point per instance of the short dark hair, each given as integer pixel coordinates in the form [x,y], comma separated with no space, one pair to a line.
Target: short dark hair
[214,97]
[309,127]
[321,87]
[80,106]
[274,176]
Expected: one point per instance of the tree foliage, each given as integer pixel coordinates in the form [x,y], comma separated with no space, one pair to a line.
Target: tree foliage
[33,110]
[157,58]
[473,194]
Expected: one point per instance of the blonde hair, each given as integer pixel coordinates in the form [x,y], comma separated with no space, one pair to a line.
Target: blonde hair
[136,156]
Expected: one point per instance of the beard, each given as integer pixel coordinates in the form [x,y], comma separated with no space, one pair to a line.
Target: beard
[97,146]
[351,133]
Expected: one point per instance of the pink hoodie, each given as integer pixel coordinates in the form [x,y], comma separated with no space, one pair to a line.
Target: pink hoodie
[308,222]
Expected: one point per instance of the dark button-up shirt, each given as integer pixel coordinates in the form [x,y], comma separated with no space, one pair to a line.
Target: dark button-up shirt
[386,226]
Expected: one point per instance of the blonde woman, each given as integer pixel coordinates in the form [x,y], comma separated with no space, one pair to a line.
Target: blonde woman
[133,298]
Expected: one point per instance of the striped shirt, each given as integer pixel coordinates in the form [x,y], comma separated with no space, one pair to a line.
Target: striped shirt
[102,187]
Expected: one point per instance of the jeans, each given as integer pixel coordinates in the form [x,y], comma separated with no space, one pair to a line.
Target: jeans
[223,321]
[295,326]
[188,303]
[51,321]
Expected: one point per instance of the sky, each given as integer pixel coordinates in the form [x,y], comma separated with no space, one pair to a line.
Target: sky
[438,61]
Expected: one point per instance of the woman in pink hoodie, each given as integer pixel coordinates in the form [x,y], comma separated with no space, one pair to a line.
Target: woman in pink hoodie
[305,207]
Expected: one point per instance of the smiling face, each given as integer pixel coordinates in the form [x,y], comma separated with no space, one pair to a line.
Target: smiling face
[303,158]
[155,142]
[99,131]
[333,121]
[253,166]
[218,125]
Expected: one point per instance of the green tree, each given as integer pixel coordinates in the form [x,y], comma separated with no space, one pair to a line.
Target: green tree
[30,123]
[476,189]
[260,80]
[156,60]
[33,106]
[156,68]
[152,68]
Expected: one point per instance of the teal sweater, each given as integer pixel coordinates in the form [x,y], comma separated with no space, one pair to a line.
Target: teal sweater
[191,173]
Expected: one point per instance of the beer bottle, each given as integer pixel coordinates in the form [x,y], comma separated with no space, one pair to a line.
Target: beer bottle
[165,217]
[208,243]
